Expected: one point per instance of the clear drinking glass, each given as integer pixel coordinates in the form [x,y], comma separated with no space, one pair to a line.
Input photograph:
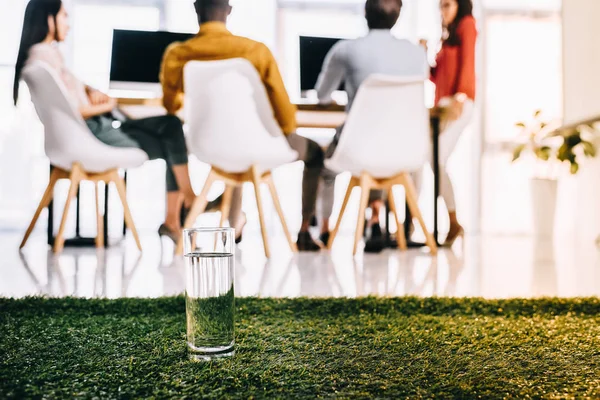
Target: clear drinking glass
[209,295]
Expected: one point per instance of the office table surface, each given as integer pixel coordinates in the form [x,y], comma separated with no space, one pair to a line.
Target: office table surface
[308,115]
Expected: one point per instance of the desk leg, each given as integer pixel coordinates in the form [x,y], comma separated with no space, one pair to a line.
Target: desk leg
[124,223]
[50,229]
[435,126]
[106,192]
[77,213]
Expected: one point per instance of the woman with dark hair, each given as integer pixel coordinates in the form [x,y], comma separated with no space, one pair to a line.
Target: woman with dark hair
[454,79]
[45,25]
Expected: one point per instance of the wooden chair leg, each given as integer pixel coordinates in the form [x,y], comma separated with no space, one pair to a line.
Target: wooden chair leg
[46,199]
[256,181]
[365,188]
[400,235]
[413,205]
[128,218]
[226,204]
[277,205]
[197,208]
[99,219]
[75,177]
[353,183]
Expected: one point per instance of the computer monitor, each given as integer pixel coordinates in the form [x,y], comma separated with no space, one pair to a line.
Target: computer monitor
[313,51]
[137,57]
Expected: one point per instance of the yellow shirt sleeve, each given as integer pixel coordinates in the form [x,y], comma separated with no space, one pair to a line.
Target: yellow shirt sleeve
[284,110]
[171,78]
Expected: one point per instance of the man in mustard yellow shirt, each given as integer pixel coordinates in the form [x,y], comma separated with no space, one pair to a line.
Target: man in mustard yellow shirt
[215,42]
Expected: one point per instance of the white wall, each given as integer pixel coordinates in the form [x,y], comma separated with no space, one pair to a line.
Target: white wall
[581,29]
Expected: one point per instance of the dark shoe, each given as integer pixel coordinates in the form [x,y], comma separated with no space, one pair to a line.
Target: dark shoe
[306,243]
[324,238]
[376,243]
[165,231]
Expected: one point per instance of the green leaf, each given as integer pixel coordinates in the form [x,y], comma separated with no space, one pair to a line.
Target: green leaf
[518,151]
[574,168]
[563,152]
[543,153]
[589,149]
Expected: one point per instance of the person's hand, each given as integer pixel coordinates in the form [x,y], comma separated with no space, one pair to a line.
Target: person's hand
[423,43]
[111,103]
[97,97]
[455,109]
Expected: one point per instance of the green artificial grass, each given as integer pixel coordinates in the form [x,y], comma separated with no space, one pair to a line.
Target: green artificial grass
[300,348]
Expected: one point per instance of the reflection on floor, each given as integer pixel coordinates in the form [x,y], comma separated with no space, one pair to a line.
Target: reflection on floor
[494,267]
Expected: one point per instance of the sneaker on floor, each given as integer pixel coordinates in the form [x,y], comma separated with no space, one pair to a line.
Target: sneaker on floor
[324,238]
[375,243]
[306,243]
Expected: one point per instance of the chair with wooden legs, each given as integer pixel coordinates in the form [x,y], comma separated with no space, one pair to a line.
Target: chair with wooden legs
[75,153]
[232,128]
[77,175]
[384,139]
[231,181]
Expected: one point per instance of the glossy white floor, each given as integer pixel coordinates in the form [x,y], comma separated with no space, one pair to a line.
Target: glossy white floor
[504,262]
[492,267]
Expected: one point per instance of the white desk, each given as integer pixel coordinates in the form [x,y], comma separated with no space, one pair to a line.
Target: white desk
[308,115]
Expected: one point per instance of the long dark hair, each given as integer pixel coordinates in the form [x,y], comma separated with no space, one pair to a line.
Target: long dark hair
[35,30]
[465,9]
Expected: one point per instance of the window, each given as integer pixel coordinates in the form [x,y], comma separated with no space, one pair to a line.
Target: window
[523,72]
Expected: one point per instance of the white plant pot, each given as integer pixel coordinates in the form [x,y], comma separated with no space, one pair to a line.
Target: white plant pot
[543,203]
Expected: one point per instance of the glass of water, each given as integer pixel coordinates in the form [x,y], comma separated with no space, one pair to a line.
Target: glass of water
[209,295]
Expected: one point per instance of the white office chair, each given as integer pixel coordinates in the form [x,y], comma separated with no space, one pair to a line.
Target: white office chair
[232,128]
[385,138]
[74,152]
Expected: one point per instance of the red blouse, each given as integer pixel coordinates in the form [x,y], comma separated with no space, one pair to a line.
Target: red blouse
[455,70]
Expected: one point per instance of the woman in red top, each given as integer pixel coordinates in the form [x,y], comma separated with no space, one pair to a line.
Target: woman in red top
[454,78]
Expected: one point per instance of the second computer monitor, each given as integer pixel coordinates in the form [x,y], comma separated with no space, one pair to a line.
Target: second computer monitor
[313,51]
[137,57]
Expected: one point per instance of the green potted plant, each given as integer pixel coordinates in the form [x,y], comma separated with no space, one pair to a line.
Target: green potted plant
[553,149]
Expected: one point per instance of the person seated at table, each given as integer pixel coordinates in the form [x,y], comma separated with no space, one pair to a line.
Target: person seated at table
[352,62]
[45,26]
[215,42]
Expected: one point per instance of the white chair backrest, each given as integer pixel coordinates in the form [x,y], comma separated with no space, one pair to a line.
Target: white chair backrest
[387,130]
[230,118]
[67,137]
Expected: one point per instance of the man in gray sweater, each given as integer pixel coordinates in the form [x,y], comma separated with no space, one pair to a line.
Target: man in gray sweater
[352,62]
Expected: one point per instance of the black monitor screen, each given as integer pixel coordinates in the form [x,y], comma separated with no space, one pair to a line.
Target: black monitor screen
[313,51]
[137,55]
